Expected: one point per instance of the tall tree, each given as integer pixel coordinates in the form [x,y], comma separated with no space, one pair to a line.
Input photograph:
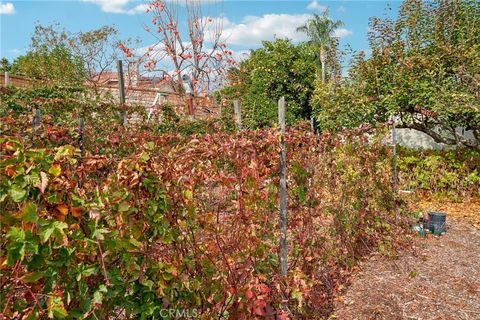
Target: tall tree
[56,65]
[97,49]
[424,70]
[5,65]
[198,49]
[279,69]
[321,31]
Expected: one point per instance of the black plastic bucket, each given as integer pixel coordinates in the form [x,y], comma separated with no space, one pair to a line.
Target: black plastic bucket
[437,222]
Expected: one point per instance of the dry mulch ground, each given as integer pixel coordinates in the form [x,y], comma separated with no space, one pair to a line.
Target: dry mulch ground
[437,278]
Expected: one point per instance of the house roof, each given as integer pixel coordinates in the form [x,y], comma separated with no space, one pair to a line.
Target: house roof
[106,77]
[164,84]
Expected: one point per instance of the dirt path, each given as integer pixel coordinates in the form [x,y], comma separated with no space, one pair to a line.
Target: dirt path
[438,279]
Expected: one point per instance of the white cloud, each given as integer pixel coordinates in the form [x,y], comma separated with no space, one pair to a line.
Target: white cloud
[119,6]
[342,9]
[15,51]
[112,6]
[7,8]
[315,6]
[253,29]
[141,8]
[342,33]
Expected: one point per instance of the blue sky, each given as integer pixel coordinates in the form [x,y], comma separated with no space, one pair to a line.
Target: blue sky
[246,22]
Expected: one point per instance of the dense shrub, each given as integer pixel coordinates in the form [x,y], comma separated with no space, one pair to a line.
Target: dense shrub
[279,68]
[451,173]
[423,70]
[187,223]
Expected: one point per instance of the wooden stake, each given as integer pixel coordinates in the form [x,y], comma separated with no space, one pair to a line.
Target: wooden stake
[394,165]
[81,129]
[283,189]
[7,78]
[238,113]
[121,92]
[36,121]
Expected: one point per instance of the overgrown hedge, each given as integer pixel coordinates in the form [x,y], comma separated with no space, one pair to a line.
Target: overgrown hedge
[187,224]
[446,173]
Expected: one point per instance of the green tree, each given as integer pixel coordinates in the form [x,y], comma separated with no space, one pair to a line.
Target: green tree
[424,70]
[98,51]
[279,68]
[56,65]
[5,65]
[320,30]
[95,50]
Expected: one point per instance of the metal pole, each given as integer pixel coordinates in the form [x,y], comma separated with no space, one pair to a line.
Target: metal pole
[121,92]
[283,188]
[238,113]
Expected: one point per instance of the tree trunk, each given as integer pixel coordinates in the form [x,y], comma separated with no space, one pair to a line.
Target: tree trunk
[322,62]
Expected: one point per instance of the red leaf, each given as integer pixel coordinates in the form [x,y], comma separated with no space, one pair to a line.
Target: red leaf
[259,307]
[249,294]
[263,288]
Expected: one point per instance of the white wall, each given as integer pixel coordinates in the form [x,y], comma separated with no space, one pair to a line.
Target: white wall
[415,139]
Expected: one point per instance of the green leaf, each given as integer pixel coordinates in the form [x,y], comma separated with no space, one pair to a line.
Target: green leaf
[16,245]
[298,296]
[188,194]
[45,232]
[17,193]
[123,207]
[16,234]
[55,170]
[136,243]
[3,196]
[98,233]
[33,276]
[53,197]
[98,295]
[86,272]
[56,309]
[148,283]
[149,146]
[64,151]
[47,229]
[29,212]
[144,157]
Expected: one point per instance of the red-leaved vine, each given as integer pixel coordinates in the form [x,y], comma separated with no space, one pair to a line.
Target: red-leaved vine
[185,222]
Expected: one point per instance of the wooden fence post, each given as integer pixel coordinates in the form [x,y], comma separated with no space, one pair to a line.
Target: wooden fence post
[394,142]
[121,92]
[36,120]
[81,129]
[283,188]
[238,113]
[191,110]
[7,78]
[394,165]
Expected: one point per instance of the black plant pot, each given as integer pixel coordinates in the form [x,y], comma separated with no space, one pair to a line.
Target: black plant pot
[437,222]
